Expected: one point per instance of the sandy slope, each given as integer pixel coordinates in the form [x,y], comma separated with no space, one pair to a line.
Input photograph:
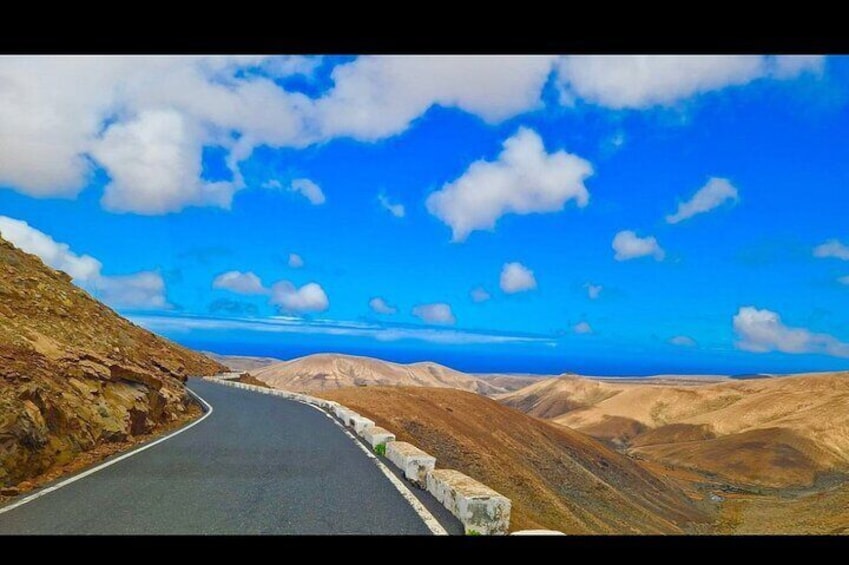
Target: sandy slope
[332,371]
[772,432]
[241,362]
[557,478]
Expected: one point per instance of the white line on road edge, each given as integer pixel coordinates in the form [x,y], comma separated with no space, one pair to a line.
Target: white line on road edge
[432,523]
[102,466]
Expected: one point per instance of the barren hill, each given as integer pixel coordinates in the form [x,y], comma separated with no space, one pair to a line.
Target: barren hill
[73,373]
[242,362]
[332,371]
[773,432]
[556,478]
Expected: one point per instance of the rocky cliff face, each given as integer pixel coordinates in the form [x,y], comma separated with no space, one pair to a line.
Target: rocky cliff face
[74,374]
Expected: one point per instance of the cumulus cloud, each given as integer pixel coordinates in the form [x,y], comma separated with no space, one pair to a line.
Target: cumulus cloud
[524,179]
[593,290]
[150,174]
[142,290]
[582,328]
[308,298]
[762,331]
[57,255]
[479,294]
[309,190]
[437,313]
[375,97]
[144,119]
[239,282]
[380,306]
[515,277]
[682,341]
[643,81]
[396,210]
[710,196]
[295,261]
[832,248]
[628,245]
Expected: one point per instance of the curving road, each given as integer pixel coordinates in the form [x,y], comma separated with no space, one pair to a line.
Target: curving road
[257,465]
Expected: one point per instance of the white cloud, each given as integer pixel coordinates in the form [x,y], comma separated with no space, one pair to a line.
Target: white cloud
[525,179]
[145,289]
[643,81]
[308,298]
[148,162]
[295,261]
[380,306]
[593,290]
[479,294]
[239,282]
[396,210]
[628,245]
[582,328]
[375,97]
[844,280]
[515,277]
[309,190]
[295,325]
[790,66]
[145,119]
[57,255]
[438,313]
[710,196]
[762,331]
[832,248]
[682,341]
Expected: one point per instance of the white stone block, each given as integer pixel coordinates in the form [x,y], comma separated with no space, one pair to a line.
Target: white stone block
[343,414]
[414,462]
[376,435]
[361,424]
[478,507]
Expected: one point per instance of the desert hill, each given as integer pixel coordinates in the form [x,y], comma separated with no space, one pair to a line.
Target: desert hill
[556,478]
[771,432]
[332,371]
[74,374]
[241,362]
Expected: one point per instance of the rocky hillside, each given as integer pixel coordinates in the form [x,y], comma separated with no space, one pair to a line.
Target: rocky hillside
[766,432]
[74,374]
[556,478]
[331,371]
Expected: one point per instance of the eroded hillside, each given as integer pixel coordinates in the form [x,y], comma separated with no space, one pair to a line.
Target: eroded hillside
[556,478]
[74,374]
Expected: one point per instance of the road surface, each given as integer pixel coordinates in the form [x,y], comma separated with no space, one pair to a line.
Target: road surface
[257,465]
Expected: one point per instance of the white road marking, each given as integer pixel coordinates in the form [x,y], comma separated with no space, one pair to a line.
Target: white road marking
[102,466]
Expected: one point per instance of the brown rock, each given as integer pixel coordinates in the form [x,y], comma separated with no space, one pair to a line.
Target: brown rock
[74,374]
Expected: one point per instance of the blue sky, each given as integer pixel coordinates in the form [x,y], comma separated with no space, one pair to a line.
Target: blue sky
[613,215]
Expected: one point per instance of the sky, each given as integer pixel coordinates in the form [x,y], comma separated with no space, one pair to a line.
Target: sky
[609,215]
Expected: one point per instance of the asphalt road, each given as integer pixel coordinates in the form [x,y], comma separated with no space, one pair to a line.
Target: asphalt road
[258,465]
